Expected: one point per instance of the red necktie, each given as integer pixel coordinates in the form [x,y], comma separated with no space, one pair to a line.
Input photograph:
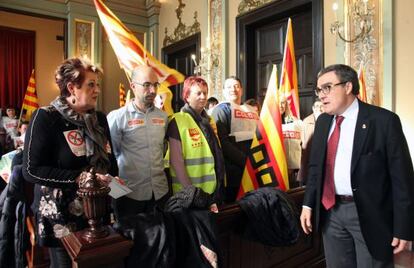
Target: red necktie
[328,196]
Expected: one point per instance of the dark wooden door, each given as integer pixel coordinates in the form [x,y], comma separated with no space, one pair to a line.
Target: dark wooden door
[178,56]
[261,38]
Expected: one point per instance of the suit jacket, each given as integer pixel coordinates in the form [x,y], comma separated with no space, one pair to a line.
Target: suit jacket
[382,178]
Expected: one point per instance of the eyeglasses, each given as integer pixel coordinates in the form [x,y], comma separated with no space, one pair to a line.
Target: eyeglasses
[148,85]
[327,88]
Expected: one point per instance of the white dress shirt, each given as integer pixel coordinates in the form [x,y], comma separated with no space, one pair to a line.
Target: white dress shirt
[342,169]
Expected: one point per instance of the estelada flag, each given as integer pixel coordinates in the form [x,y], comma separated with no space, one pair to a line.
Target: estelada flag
[362,86]
[129,51]
[30,101]
[121,95]
[289,78]
[266,163]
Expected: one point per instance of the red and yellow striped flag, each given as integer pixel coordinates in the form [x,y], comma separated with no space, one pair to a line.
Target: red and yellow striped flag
[129,51]
[30,101]
[289,79]
[266,164]
[163,90]
[362,86]
[121,95]
[128,97]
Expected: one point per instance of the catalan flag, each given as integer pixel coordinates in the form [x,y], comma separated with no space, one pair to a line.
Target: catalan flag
[289,78]
[121,95]
[128,97]
[362,86]
[30,101]
[129,51]
[163,90]
[266,164]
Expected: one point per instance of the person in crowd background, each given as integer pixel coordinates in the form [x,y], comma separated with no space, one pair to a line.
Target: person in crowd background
[138,135]
[254,103]
[2,133]
[236,125]
[211,103]
[10,124]
[360,188]
[195,154]
[307,133]
[292,128]
[63,141]
[19,140]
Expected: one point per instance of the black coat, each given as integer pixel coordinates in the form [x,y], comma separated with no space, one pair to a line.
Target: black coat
[182,236]
[50,164]
[382,178]
[272,218]
[14,236]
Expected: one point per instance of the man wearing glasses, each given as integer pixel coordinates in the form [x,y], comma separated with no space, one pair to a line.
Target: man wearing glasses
[360,181]
[137,133]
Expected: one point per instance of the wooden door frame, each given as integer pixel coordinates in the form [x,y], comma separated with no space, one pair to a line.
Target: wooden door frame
[247,23]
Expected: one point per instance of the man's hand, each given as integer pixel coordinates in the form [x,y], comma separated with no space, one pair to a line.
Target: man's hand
[400,245]
[213,208]
[306,220]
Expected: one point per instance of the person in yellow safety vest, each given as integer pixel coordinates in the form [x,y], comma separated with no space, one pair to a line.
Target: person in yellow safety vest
[195,153]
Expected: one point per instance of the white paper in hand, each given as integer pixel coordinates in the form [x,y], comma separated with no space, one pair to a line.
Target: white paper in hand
[118,188]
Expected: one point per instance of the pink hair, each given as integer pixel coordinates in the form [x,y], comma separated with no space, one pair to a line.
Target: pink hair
[189,82]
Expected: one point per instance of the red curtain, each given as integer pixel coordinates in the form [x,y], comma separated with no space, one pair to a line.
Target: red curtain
[17,55]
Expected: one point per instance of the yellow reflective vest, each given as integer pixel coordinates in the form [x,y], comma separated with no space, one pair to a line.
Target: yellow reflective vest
[198,158]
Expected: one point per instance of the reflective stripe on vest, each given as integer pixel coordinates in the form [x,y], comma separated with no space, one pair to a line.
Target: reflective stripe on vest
[198,159]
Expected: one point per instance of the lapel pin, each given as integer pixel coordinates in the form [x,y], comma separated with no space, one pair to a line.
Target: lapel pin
[364,126]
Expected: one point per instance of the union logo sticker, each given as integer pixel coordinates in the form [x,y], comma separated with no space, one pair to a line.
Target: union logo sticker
[194,134]
[135,122]
[158,121]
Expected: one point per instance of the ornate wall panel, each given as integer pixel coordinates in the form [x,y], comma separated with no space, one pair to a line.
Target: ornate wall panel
[368,49]
[215,48]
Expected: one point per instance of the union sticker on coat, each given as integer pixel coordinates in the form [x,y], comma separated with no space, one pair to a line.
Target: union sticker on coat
[76,142]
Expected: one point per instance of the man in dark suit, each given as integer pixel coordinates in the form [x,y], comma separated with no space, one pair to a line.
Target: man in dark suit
[360,186]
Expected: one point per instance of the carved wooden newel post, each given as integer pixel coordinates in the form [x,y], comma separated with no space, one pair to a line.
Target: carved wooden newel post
[94,198]
[98,245]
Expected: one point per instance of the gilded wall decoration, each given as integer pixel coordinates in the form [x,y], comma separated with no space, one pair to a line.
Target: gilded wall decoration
[181,31]
[247,5]
[214,52]
[366,50]
[84,39]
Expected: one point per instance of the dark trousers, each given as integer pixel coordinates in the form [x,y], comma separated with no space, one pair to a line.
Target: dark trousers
[125,206]
[344,244]
[59,258]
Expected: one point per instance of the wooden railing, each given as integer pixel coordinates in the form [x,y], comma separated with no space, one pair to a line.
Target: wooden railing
[237,252]
[241,253]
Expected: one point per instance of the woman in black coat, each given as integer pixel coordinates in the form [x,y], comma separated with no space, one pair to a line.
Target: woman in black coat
[63,141]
